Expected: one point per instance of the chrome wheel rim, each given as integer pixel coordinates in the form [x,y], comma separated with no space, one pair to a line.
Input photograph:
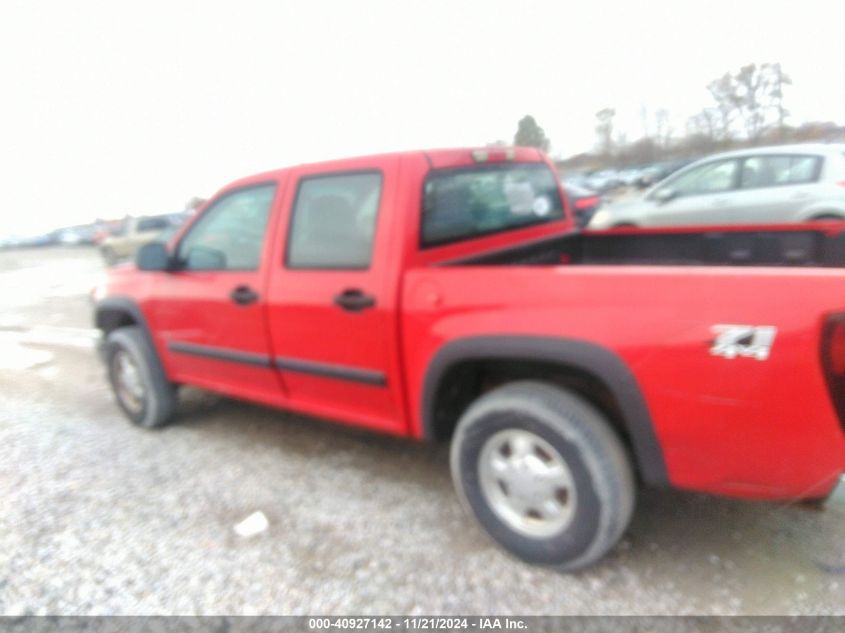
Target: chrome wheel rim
[128,383]
[527,483]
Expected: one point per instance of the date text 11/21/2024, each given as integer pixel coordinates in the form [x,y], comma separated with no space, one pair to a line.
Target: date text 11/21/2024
[418,623]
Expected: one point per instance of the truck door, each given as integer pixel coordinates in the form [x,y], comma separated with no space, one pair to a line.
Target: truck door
[333,294]
[210,310]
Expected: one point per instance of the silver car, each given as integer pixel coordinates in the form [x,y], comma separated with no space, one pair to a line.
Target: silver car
[763,185]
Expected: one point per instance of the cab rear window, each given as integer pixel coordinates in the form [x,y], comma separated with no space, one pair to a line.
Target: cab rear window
[460,204]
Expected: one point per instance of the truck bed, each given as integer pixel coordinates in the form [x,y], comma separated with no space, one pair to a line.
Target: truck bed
[813,246]
[658,301]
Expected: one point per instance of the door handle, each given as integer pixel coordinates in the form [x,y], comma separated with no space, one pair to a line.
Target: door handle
[354,300]
[243,295]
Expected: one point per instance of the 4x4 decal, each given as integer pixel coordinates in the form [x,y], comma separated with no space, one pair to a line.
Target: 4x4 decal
[750,341]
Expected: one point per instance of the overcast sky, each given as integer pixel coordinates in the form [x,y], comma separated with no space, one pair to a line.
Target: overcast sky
[113,107]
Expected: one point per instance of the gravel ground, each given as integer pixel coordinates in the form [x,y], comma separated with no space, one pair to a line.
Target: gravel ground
[99,517]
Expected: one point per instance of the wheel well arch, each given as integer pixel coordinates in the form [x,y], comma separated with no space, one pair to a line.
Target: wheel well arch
[464,369]
[115,312]
[825,215]
[109,319]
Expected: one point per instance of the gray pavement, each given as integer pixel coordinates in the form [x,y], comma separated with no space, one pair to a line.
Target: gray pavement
[99,517]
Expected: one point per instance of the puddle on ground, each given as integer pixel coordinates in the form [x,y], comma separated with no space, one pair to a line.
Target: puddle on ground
[15,356]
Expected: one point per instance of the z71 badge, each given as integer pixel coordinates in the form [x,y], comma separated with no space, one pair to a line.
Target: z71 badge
[750,341]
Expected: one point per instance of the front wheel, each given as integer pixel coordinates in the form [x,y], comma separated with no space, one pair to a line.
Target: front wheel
[544,474]
[137,379]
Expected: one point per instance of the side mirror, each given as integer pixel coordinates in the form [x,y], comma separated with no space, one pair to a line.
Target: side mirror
[665,195]
[153,256]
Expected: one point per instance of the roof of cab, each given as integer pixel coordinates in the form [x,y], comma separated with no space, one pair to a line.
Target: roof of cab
[438,159]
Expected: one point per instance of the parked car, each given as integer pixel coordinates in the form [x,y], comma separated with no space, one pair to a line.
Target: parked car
[77,235]
[134,233]
[764,185]
[109,228]
[629,177]
[35,240]
[584,203]
[648,176]
[603,181]
[575,179]
[463,307]
[653,174]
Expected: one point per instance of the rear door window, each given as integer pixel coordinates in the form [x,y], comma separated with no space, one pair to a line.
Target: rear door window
[334,221]
[779,169]
[460,204]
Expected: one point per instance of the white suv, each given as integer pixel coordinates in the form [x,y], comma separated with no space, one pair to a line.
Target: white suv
[763,185]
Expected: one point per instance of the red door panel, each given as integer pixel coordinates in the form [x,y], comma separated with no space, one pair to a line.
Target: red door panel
[210,313]
[332,296]
[209,339]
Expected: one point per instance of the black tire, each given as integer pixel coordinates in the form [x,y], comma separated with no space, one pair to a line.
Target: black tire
[158,403]
[601,472]
[827,217]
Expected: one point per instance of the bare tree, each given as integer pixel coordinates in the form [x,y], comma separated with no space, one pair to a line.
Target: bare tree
[779,80]
[818,131]
[702,133]
[642,151]
[748,108]
[620,139]
[604,130]
[753,92]
[750,97]
[723,91]
[704,126]
[644,120]
[663,130]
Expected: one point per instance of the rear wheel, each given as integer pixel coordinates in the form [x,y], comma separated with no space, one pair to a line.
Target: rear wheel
[827,217]
[138,382]
[544,474]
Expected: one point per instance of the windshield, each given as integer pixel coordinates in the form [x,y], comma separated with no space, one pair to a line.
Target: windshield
[465,203]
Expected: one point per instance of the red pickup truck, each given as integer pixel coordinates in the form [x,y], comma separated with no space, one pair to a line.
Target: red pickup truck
[444,295]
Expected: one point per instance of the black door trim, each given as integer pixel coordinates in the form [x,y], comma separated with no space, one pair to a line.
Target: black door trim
[327,370]
[220,353]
